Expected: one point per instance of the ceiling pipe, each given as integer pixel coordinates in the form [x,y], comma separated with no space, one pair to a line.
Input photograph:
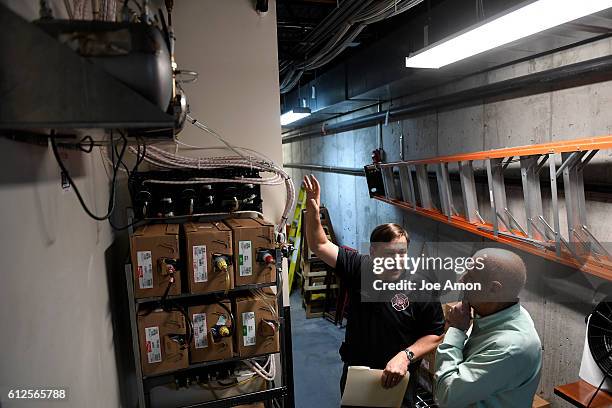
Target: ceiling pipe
[591,71]
[326,169]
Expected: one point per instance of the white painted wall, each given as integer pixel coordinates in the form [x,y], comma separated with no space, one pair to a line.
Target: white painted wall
[54,299]
[234,50]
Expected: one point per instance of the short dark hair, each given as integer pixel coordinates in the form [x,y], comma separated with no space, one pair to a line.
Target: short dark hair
[388,232]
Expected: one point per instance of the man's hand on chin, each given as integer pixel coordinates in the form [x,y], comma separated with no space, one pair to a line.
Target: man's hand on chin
[395,370]
[459,316]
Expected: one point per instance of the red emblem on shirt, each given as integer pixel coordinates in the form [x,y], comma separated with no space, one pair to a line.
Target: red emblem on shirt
[400,302]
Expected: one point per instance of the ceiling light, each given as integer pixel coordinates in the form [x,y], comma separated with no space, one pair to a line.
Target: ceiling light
[294,115]
[530,19]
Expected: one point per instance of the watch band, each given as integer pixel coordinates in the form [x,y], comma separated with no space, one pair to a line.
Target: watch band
[409,354]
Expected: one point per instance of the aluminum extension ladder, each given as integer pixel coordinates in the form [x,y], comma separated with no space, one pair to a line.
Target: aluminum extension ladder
[406,184]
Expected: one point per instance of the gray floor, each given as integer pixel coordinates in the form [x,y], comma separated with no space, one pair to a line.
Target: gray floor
[316,362]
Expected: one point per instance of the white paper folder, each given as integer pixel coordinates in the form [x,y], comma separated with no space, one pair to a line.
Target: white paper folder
[364,389]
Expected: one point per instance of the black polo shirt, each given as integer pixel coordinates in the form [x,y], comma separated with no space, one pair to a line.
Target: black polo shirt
[377,331]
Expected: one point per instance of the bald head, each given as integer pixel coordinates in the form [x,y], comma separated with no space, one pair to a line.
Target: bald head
[503,276]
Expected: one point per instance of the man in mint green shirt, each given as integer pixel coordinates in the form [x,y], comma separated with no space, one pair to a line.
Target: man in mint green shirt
[498,364]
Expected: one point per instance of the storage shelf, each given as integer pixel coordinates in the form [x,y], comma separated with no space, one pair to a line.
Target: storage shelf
[580,392]
[249,398]
[282,392]
[162,378]
[184,296]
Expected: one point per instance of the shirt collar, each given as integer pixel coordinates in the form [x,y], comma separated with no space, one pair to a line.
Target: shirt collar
[487,322]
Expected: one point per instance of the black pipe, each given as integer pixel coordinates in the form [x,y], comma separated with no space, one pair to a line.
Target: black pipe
[327,169]
[595,70]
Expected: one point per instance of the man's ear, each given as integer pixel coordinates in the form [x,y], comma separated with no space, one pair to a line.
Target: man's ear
[495,287]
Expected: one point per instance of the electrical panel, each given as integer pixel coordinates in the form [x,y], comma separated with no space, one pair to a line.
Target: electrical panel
[163,341]
[258,325]
[209,257]
[156,259]
[213,330]
[171,193]
[254,246]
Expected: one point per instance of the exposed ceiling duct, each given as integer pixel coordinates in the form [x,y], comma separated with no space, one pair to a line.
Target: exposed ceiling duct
[336,33]
[90,74]
[377,72]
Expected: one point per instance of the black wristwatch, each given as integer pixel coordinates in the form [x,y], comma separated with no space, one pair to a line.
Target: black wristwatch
[410,355]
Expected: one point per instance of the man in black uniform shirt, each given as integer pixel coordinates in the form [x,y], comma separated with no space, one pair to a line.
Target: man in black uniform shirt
[393,334]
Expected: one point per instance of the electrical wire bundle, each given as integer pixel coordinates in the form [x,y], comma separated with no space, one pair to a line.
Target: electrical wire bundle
[244,158]
[368,13]
[255,370]
[267,371]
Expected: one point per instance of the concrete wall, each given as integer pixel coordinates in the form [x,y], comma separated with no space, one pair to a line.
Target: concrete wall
[557,297]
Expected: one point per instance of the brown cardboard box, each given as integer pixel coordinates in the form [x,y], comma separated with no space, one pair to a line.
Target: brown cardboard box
[160,351]
[203,346]
[204,241]
[251,235]
[540,402]
[257,327]
[150,244]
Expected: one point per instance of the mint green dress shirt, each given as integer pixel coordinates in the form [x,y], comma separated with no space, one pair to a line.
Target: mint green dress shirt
[497,367]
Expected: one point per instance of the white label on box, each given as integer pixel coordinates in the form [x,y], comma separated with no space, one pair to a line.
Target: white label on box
[145,269]
[244,258]
[248,328]
[153,344]
[200,267]
[200,330]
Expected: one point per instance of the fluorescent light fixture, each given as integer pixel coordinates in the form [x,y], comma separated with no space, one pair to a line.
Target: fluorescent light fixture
[294,115]
[530,19]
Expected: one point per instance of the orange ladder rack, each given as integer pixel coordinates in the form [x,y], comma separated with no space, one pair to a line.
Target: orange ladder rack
[406,185]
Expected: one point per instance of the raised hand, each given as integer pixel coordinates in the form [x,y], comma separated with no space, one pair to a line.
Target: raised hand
[313,192]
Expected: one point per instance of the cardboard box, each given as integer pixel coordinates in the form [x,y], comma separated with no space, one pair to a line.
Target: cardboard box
[257,325]
[160,334]
[540,402]
[252,235]
[150,246]
[206,242]
[204,346]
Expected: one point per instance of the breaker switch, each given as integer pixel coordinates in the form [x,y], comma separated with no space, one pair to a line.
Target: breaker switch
[268,327]
[265,256]
[167,266]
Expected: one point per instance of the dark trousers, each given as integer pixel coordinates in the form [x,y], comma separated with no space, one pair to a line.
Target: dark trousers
[409,397]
